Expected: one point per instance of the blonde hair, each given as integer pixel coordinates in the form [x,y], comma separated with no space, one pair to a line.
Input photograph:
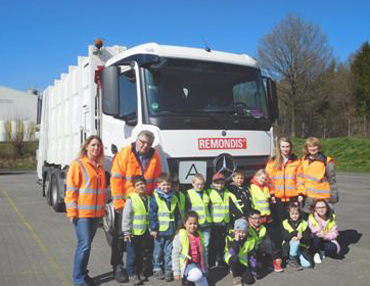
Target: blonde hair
[260,172]
[311,141]
[83,150]
[198,177]
[278,164]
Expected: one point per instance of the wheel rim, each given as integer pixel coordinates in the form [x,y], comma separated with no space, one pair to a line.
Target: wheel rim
[54,195]
[46,188]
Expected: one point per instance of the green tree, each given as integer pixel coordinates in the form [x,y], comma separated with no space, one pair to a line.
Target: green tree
[361,71]
[295,54]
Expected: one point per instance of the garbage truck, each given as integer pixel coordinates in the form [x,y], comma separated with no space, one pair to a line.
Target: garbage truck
[210,111]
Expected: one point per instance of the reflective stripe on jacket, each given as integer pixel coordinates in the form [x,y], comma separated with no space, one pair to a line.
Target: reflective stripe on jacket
[301,227]
[181,199]
[125,166]
[165,215]
[244,250]
[313,180]
[283,183]
[260,199]
[86,189]
[259,235]
[220,210]
[140,217]
[200,205]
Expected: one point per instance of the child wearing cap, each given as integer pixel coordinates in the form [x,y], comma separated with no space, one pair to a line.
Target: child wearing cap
[238,246]
[224,209]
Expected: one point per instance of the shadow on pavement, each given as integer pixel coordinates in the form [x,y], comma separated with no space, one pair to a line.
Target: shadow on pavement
[104,278]
[348,237]
[216,274]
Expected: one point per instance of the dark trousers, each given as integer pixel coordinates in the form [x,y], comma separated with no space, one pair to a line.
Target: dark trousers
[217,244]
[262,257]
[321,245]
[279,212]
[118,245]
[238,269]
[139,255]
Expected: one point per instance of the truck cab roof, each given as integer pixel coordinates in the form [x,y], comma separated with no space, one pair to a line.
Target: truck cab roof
[184,53]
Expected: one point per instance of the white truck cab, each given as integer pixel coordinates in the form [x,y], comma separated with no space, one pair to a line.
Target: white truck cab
[209,110]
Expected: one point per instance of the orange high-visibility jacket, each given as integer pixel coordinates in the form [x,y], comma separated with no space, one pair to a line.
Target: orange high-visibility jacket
[125,166]
[283,183]
[86,189]
[313,179]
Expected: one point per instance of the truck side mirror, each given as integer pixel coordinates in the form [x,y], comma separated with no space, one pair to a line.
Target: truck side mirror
[110,91]
[272,99]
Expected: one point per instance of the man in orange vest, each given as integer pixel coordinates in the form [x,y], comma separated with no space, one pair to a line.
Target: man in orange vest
[136,159]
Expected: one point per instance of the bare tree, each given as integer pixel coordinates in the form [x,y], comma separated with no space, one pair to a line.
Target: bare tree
[295,53]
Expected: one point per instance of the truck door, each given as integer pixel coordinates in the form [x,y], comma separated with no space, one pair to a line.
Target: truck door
[117,128]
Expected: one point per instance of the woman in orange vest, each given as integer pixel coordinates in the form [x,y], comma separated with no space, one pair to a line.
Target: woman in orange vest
[85,202]
[317,179]
[282,169]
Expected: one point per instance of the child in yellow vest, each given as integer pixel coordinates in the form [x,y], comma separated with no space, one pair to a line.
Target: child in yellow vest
[189,257]
[197,199]
[139,244]
[323,224]
[296,239]
[239,245]
[225,209]
[164,215]
[260,195]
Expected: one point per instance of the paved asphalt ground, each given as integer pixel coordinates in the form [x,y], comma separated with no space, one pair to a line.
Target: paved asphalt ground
[37,244]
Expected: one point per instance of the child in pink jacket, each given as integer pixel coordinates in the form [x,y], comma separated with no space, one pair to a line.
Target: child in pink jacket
[323,225]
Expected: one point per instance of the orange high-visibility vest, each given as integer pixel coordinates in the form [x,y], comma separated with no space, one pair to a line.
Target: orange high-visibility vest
[86,189]
[125,166]
[283,183]
[314,182]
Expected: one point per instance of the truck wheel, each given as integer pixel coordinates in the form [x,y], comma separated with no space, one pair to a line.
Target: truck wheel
[46,190]
[57,202]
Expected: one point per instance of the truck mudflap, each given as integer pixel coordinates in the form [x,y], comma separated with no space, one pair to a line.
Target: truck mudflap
[108,219]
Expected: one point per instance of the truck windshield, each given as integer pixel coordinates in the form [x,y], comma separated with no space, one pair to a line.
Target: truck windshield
[178,87]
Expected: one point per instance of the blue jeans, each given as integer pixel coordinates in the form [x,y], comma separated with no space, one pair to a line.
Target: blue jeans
[162,254]
[294,251]
[206,236]
[85,230]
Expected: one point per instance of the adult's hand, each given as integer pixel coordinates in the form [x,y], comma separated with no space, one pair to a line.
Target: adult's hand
[72,218]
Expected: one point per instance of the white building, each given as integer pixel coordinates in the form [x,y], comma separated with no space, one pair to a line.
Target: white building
[17,106]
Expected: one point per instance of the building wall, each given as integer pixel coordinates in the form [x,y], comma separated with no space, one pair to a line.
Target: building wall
[17,106]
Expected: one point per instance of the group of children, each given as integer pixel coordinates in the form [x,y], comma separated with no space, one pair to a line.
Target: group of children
[220,226]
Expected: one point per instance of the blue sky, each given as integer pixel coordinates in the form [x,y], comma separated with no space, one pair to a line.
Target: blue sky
[41,38]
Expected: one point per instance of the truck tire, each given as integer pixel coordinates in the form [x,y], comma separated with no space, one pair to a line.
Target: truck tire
[56,200]
[46,189]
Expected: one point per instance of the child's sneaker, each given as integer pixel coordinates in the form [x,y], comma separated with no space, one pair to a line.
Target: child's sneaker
[159,275]
[317,258]
[135,279]
[277,265]
[237,281]
[169,276]
[293,263]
